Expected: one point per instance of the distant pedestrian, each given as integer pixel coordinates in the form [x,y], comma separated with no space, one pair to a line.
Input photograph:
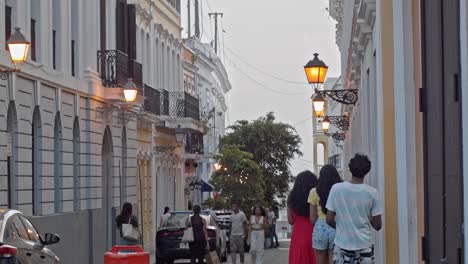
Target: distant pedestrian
[164,217]
[238,233]
[324,235]
[200,244]
[272,220]
[353,208]
[126,217]
[301,251]
[257,224]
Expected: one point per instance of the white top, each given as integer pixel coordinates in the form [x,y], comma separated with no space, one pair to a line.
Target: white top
[271,217]
[354,204]
[256,224]
[164,218]
[237,223]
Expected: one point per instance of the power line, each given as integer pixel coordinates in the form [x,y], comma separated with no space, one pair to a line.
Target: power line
[258,83]
[303,121]
[261,71]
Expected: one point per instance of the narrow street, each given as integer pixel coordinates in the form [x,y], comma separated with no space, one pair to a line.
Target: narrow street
[272,256]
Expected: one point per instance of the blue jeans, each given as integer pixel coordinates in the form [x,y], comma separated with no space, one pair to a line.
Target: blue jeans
[273,234]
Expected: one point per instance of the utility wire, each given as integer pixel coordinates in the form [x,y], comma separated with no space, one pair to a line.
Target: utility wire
[258,83]
[303,121]
[261,71]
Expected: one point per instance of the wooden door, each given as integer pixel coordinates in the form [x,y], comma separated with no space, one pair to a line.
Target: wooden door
[443,241]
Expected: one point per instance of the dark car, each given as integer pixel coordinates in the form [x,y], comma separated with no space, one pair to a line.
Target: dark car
[21,243]
[224,221]
[169,246]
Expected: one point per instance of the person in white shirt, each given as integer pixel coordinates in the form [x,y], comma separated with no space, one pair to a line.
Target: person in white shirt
[164,217]
[238,233]
[354,208]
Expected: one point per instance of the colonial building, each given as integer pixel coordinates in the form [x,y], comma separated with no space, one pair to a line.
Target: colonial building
[72,151]
[408,61]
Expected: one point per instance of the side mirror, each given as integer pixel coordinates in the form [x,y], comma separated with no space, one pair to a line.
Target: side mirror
[51,239]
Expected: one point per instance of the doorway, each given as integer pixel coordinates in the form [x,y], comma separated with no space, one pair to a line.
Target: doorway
[107,190]
[441,97]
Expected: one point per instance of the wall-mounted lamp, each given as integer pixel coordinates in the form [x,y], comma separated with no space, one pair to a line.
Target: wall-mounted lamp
[18,47]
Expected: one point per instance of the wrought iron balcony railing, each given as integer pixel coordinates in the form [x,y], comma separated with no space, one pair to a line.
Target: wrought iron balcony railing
[194,143]
[175,4]
[152,100]
[115,68]
[182,104]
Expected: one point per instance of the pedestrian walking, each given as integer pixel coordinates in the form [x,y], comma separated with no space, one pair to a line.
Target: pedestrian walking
[238,233]
[164,217]
[199,245]
[126,217]
[353,208]
[257,224]
[324,235]
[272,220]
[301,251]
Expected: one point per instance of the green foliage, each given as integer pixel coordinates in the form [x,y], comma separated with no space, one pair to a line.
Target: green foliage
[215,204]
[273,145]
[240,178]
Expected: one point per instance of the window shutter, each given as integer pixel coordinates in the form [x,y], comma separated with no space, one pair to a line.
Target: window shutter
[131,25]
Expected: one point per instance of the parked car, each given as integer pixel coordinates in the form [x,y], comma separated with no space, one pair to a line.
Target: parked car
[224,221]
[169,246]
[21,243]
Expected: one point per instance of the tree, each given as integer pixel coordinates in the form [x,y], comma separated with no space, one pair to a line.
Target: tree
[240,178]
[273,146]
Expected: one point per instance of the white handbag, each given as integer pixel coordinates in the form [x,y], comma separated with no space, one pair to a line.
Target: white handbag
[129,232]
[188,233]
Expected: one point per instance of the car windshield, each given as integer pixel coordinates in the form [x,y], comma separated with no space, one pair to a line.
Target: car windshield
[178,220]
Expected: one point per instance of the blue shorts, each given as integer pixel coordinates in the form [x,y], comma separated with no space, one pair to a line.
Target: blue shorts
[323,236]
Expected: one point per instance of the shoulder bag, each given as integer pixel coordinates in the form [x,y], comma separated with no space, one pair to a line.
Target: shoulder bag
[129,232]
[188,233]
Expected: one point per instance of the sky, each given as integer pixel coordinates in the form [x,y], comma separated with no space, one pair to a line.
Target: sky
[277,38]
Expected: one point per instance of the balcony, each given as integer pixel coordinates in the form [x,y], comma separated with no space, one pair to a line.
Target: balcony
[152,100]
[115,68]
[182,104]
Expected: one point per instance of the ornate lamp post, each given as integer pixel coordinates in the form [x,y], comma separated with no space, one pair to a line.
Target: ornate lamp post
[18,47]
[316,71]
[130,91]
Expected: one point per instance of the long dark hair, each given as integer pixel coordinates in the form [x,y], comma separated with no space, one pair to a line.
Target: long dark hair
[263,213]
[328,177]
[297,200]
[126,213]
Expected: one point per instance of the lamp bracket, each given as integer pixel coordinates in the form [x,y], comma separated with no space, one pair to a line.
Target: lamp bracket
[125,116]
[337,136]
[347,96]
[5,73]
[105,112]
[341,122]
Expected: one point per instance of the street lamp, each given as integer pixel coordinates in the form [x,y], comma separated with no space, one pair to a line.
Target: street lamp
[318,103]
[217,166]
[341,122]
[180,135]
[18,47]
[130,91]
[325,124]
[316,71]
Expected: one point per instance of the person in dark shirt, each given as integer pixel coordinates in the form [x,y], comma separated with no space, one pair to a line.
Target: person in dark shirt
[126,217]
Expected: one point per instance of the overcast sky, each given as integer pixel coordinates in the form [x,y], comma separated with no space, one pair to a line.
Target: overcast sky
[278,37]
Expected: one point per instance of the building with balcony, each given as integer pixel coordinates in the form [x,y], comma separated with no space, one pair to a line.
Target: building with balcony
[408,61]
[212,85]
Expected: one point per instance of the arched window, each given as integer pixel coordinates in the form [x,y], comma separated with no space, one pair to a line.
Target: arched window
[12,169]
[36,134]
[58,164]
[156,65]
[123,182]
[76,165]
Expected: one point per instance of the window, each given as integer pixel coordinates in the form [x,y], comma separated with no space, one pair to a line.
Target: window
[58,164]
[10,234]
[76,166]
[31,230]
[33,39]
[73,58]
[35,154]
[7,24]
[19,227]
[54,49]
